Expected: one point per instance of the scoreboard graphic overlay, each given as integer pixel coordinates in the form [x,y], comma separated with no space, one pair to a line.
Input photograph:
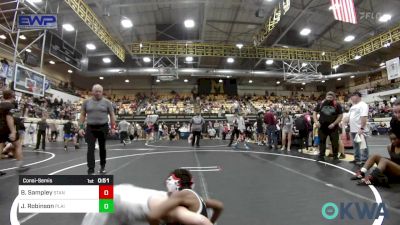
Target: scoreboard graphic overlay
[66,194]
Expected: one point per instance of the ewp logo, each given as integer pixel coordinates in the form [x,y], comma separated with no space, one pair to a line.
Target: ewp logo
[331,211]
[37,21]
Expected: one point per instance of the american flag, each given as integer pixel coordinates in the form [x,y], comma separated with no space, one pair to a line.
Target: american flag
[344,10]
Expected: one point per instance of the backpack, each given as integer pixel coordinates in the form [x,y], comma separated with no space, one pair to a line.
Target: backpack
[300,123]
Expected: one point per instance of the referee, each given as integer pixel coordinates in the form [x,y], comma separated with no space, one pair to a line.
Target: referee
[96,111]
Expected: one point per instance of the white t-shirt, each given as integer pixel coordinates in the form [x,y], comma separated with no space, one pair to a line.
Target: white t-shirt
[355,113]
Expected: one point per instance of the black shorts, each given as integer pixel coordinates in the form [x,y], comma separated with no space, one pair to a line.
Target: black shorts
[4,137]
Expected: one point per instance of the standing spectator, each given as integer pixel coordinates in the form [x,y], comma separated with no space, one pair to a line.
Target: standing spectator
[69,135]
[41,128]
[217,128]
[241,129]
[393,99]
[123,129]
[8,131]
[211,132]
[156,128]
[225,130]
[301,126]
[270,122]
[96,111]
[287,130]
[196,126]
[172,133]
[331,113]
[53,132]
[358,116]
[178,132]
[235,131]
[260,128]
[31,134]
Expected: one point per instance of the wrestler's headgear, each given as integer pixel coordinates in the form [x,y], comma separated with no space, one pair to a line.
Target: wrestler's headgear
[178,180]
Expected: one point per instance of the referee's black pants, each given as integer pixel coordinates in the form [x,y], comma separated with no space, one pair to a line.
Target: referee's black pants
[99,133]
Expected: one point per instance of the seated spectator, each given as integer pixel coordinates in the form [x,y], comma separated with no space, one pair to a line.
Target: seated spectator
[387,168]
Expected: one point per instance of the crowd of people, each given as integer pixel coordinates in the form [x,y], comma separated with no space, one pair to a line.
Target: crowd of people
[279,122]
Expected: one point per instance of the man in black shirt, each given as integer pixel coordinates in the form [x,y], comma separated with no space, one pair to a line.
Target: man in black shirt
[41,127]
[8,131]
[330,114]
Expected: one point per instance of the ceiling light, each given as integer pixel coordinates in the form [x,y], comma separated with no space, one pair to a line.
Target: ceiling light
[384,18]
[3,36]
[349,38]
[305,31]
[101,78]
[303,83]
[22,37]
[52,62]
[189,59]
[141,45]
[285,46]
[106,60]
[185,80]
[230,60]
[126,23]
[28,50]
[146,59]
[278,82]
[352,76]
[189,23]
[220,80]
[335,67]
[323,81]
[158,80]
[239,45]
[357,57]
[228,76]
[90,46]
[304,64]
[126,81]
[269,61]
[68,27]
[323,53]
[69,71]
[339,78]
[386,45]
[250,81]
[382,64]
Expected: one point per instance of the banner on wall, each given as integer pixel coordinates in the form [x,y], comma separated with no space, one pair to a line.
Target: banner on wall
[214,86]
[393,68]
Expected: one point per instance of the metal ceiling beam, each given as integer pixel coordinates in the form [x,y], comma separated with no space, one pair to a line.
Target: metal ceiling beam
[293,22]
[203,25]
[236,22]
[271,23]
[92,21]
[176,2]
[373,44]
[330,26]
[227,50]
